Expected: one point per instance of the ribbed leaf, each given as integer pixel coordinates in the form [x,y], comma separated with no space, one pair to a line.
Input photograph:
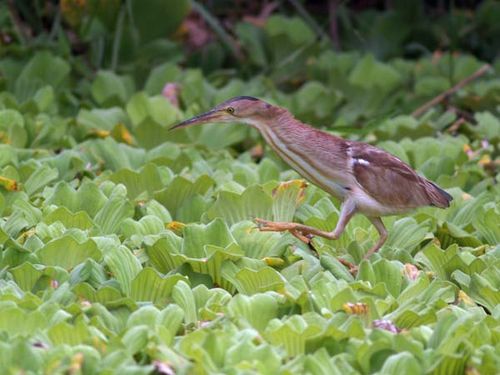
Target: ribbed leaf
[407,234]
[123,265]
[249,281]
[80,219]
[253,203]
[65,333]
[401,363]
[255,311]
[40,178]
[147,180]
[181,190]
[66,252]
[257,244]
[149,285]
[106,295]
[292,333]
[15,321]
[183,296]
[87,198]
[165,254]
[112,214]
[286,197]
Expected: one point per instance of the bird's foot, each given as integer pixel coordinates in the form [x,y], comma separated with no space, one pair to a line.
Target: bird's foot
[372,251]
[353,269]
[303,233]
[295,229]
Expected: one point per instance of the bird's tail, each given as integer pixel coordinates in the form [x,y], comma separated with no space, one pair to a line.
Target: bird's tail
[438,196]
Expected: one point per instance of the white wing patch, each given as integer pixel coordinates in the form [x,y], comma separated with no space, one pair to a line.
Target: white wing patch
[361,161]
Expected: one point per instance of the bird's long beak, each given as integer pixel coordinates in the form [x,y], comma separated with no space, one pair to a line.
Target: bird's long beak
[210,116]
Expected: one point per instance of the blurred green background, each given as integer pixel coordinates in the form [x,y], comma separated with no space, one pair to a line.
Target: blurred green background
[126,248]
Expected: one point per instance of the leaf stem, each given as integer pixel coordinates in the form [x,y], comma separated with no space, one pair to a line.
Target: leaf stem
[444,95]
[224,37]
[118,37]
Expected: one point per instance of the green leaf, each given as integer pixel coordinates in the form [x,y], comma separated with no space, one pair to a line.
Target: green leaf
[28,276]
[136,339]
[286,197]
[108,153]
[488,225]
[13,128]
[158,109]
[80,219]
[181,190]
[407,234]
[87,198]
[109,89]
[149,285]
[65,333]
[253,203]
[39,178]
[148,224]
[15,321]
[147,180]
[106,295]
[164,253]
[292,333]
[171,318]
[159,76]
[197,237]
[66,252]
[99,118]
[488,125]
[257,244]
[484,291]
[43,69]
[159,19]
[183,296]
[111,216]
[401,363]
[249,281]
[255,311]
[335,267]
[124,266]
[371,74]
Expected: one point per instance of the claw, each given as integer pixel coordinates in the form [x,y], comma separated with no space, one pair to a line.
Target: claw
[298,234]
[272,226]
[353,269]
[301,232]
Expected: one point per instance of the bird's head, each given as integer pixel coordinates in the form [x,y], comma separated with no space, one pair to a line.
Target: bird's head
[243,109]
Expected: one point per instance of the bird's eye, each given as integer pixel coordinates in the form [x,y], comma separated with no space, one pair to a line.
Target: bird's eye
[230,110]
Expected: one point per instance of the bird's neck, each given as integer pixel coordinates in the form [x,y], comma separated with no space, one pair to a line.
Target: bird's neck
[287,130]
[316,155]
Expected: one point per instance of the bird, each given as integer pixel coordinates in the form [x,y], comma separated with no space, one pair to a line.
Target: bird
[364,178]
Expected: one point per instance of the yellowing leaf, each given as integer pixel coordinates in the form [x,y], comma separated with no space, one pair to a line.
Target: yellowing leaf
[121,134]
[176,226]
[355,308]
[100,133]
[463,297]
[9,184]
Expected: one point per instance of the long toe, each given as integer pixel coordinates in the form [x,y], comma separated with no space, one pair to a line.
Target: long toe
[274,226]
[298,234]
[353,269]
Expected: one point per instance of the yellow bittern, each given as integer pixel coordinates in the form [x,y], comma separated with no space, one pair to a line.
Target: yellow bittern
[366,179]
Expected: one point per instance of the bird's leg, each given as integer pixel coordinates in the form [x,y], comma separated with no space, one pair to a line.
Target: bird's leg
[379,225]
[298,234]
[347,211]
[300,231]
[303,232]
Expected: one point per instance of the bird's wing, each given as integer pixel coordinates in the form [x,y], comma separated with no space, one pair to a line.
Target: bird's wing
[389,180]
